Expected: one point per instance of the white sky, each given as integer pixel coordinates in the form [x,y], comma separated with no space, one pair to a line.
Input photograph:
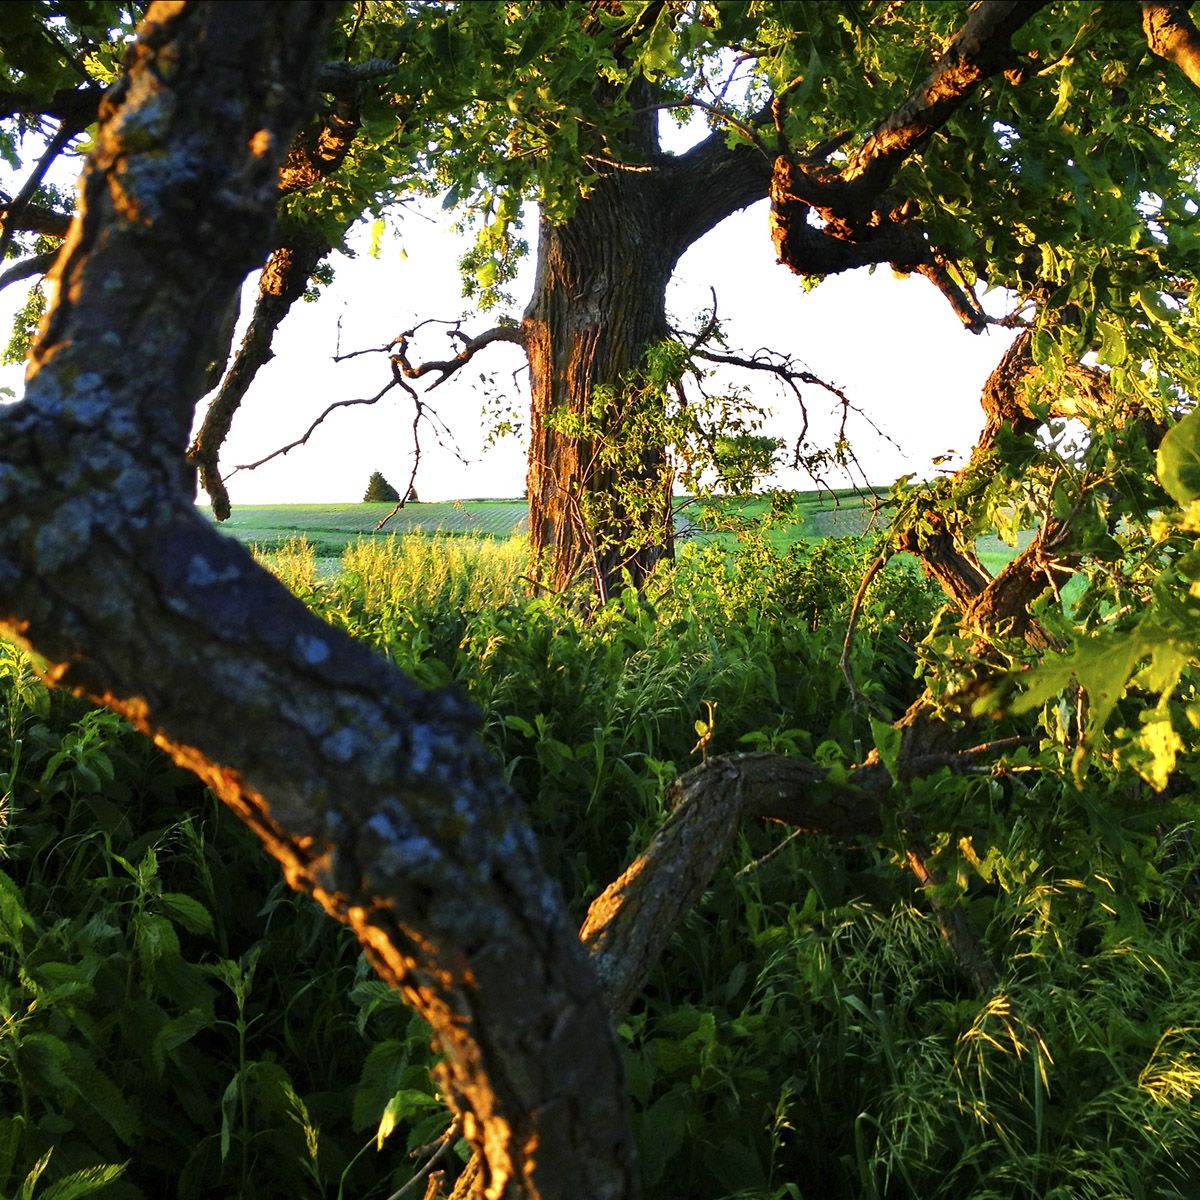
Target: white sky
[893,345]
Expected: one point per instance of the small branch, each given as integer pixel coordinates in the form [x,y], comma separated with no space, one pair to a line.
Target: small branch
[445,368]
[37,218]
[440,1149]
[344,79]
[37,264]
[966,309]
[748,132]
[76,106]
[282,282]
[782,367]
[300,441]
[65,132]
[419,412]
[960,939]
[852,624]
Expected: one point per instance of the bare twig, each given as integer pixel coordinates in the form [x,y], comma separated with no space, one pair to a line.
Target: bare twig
[303,438]
[440,1149]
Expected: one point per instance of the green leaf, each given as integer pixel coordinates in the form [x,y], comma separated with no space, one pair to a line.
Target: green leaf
[229,1104]
[189,913]
[1113,349]
[13,917]
[659,54]
[1160,744]
[178,1031]
[887,742]
[1179,459]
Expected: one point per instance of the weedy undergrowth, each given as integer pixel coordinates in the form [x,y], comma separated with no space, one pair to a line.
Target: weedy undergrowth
[806,1033]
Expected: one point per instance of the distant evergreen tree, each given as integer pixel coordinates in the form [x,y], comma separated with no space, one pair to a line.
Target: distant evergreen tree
[379,489]
[412,497]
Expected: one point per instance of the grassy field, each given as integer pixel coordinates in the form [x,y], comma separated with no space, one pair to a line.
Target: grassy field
[331,528]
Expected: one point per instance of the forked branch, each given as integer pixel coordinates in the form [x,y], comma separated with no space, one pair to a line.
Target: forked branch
[468,347]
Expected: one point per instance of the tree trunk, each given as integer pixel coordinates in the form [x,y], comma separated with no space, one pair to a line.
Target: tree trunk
[599,478]
[599,481]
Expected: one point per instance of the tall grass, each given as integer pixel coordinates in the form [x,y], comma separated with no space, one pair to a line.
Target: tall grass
[293,562]
[422,570]
[805,1034]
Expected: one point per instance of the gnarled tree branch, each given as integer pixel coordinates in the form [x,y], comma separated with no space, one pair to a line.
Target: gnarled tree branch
[468,348]
[826,219]
[315,153]
[374,796]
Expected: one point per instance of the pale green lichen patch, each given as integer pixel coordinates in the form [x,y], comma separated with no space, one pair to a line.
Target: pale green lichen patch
[202,573]
[64,538]
[312,650]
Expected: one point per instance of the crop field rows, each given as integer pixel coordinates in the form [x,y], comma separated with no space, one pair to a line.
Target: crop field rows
[331,528]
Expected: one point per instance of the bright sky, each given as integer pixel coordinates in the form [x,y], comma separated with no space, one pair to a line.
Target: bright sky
[893,345]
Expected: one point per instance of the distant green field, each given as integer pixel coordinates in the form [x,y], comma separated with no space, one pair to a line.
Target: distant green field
[331,527]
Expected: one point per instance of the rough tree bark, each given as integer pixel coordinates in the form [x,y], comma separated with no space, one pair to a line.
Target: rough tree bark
[374,797]
[599,303]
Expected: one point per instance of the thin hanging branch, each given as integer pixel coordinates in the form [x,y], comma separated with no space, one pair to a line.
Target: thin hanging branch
[303,438]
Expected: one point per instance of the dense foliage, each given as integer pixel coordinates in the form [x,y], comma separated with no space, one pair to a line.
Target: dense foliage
[807,1033]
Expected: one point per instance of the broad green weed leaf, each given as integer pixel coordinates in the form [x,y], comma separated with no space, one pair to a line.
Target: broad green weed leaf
[1103,667]
[175,1033]
[191,914]
[11,1133]
[887,742]
[659,54]
[229,1102]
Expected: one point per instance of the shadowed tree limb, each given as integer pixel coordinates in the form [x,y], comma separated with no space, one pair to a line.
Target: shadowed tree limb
[15,208]
[75,106]
[373,795]
[37,264]
[283,281]
[35,218]
[315,153]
